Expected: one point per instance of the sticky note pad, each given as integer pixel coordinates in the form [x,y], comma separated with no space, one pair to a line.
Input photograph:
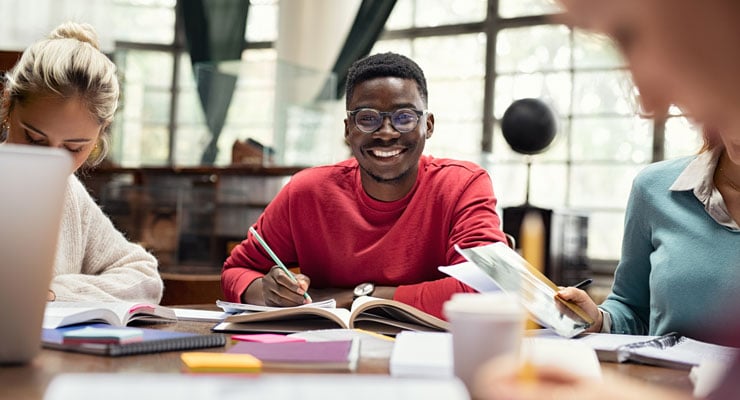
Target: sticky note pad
[220,362]
[267,338]
[103,335]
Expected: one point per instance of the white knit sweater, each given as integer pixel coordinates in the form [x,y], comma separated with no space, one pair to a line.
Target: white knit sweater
[94,261]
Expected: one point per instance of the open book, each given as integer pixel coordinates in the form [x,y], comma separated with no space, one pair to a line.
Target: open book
[670,350]
[515,276]
[369,313]
[60,313]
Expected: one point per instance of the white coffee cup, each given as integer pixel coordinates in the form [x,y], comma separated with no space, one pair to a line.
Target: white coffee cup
[484,326]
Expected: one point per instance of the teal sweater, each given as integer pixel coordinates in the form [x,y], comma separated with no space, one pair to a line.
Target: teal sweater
[679,267]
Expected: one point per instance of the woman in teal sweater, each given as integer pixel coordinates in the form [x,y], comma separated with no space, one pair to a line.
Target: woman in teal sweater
[680,252]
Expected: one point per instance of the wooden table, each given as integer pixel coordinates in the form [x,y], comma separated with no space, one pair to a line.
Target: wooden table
[30,381]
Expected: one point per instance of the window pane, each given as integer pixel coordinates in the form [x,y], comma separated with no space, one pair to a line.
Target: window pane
[191,141]
[681,138]
[141,133]
[262,21]
[149,68]
[603,92]
[451,139]
[601,186]
[520,8]
[531,49]
[509,182]
[445,12]
[552,88]
[605,231]
[151,21]
[543,191]
[144,144]
[595,51]
[626,139]
[459,56]
[400,46]
[454,100]
[402,16]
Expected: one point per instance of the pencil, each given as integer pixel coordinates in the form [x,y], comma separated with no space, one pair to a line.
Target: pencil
[275,258]
[582,284]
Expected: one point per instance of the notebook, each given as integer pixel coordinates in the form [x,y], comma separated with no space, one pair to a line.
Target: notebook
[336,356]
[32,182]
[153,341]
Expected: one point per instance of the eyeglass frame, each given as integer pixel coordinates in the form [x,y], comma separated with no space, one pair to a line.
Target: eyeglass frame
[383,114]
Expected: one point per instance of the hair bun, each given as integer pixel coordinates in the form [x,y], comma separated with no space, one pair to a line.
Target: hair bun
[80,31]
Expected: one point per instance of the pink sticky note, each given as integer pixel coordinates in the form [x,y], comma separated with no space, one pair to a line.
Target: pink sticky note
[267,338]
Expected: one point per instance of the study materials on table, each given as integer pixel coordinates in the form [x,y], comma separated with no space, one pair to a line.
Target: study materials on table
[60,313]
[422,355]
[369,313]
[236,308]
[102,335]
[189,314]
[266,338]
[670,350]
[325,356]
[430,355]
[535,291]
[151,340]
[372,345]
[220,362]
[305,386]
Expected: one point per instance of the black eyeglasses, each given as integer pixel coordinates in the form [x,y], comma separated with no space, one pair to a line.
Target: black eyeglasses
[369,120]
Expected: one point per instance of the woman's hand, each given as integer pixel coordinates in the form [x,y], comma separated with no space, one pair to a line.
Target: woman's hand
[583,300]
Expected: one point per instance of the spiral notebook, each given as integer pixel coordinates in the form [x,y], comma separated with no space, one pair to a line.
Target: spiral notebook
[153,341]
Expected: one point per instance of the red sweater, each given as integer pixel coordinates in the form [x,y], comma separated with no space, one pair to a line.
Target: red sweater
[323,222]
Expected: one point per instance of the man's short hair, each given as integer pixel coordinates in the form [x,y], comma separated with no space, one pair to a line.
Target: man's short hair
[385,65]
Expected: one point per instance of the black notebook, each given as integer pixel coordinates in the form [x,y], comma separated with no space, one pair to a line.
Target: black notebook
[153,341]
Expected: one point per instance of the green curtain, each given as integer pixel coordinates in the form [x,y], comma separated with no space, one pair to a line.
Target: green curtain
[214,32]
[365,31]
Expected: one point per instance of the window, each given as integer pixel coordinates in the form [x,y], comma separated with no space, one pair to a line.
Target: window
[601,142]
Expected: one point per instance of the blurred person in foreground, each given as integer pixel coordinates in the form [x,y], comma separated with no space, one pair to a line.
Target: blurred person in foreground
[683,53]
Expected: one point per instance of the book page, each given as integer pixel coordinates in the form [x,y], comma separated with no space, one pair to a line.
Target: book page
[469,274]
[687,351]
[60,313]
[286,320]
[535,292]
[390,316]
[241,307]
[683,354]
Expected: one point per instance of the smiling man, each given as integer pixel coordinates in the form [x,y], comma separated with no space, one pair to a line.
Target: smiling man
[378,224]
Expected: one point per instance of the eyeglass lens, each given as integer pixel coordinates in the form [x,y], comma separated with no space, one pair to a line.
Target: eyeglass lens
[403,120]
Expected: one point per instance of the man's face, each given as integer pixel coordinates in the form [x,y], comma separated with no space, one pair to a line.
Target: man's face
[388,159]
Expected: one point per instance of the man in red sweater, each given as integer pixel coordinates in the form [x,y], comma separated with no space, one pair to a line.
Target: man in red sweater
[381,222]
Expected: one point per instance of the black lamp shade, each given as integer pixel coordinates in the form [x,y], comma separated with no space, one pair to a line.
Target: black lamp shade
[529,126]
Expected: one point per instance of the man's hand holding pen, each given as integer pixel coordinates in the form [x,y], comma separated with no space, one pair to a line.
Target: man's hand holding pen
[279,289]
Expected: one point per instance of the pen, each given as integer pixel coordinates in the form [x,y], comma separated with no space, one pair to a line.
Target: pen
[275,258]
[584,283]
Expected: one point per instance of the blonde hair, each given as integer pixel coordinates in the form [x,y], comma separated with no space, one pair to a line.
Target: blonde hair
[68,64]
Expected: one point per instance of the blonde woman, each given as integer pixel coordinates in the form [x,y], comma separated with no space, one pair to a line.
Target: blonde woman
[63,92]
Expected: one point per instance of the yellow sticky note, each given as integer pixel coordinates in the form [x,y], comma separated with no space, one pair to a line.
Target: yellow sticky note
[220,362]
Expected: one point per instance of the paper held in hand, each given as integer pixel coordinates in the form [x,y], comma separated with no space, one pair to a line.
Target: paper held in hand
[508,270]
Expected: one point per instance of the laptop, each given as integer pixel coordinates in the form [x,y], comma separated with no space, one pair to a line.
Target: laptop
[33,181]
